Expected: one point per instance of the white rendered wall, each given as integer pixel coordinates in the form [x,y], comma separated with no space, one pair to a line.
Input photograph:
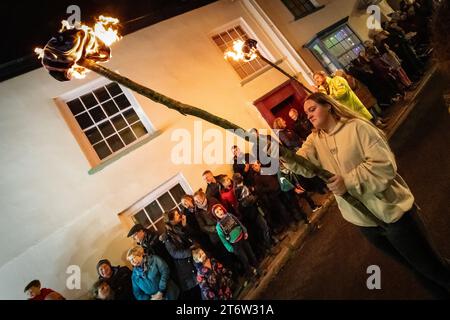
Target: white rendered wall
[54,214]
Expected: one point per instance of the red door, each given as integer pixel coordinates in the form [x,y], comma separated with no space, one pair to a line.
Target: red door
[280,100]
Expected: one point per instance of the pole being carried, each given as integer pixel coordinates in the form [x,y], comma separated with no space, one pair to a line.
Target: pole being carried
[76,49]
[248,51]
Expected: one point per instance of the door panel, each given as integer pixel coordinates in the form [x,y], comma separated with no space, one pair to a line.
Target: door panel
[279,101]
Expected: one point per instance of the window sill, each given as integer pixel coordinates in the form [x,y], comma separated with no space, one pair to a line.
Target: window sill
[309,13]
[113,158]
[260,72]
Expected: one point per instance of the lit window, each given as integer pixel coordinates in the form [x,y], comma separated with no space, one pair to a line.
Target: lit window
[224,40]
[336,48]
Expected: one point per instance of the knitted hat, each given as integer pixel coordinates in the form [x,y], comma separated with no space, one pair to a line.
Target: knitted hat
[103,261]
[214,207]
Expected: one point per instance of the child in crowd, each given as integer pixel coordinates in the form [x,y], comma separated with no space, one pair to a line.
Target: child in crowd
[214,280]
[234,237]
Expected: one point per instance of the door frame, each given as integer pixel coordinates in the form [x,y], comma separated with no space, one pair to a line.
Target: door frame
[276,96]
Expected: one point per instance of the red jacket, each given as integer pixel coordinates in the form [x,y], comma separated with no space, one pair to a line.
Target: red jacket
[44,293]
[230,202]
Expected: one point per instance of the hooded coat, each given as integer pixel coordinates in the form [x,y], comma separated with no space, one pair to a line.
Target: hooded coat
[151,277]
[339,90]
[356,151]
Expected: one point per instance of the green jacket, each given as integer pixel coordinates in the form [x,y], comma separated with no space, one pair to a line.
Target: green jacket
[237,230]
[285,181]
[341,91]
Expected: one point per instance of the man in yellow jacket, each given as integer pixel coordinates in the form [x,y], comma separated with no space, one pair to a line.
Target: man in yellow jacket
[338,88]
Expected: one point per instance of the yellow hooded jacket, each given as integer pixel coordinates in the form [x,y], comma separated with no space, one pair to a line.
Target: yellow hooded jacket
[341,91]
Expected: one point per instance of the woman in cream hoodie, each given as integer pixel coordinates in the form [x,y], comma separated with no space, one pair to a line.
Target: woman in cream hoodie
[358,154]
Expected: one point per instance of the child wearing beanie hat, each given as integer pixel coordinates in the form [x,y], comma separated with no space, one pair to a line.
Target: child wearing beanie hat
[234,237]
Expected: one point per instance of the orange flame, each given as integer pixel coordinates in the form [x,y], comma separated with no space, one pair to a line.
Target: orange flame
[238,53]
[85,43]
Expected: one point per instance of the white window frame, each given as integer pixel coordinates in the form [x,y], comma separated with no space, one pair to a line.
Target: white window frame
[261,47]
[334,61]
[127,215]
[85,145]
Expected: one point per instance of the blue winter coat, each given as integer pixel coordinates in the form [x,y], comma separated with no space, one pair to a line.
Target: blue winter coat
[155,278]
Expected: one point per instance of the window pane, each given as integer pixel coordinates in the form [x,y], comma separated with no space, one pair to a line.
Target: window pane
[241,72]
[340,49]
[97,114]
[239,30]
[247,68]
[299,8]
[110,108]
[352,55]
[93,135]
[142,219]
[177,192]
[101,94]
[84,120]
[114,89]
[106,128]
[102,150]
[127,136]
[317,48]
[122,101]
[139,129]
[225,37]
[119,122]
[160,226]
[334,51]
[256,64]
[233,34]
[355,40]
[166,202]
[333,40]
[154,211]
[131,116]
[115,143]
[89,100]
[75,106]
[218,40]
[346,45]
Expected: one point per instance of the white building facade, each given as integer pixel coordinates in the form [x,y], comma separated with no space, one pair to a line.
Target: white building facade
[80,159]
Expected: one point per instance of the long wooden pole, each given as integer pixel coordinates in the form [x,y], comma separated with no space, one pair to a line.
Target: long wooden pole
[282,71]
[186,109]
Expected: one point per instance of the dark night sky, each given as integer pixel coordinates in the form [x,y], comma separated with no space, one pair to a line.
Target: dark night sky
[27,25]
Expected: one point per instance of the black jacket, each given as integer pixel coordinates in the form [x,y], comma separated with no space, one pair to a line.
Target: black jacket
[152,245]
[120,283]
[290,139]
[178,245]
[266,184]
[205,219]
[213,189]
[302,127]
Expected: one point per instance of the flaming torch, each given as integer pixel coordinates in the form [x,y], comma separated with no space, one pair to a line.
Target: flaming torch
[79,48]
[248,51]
